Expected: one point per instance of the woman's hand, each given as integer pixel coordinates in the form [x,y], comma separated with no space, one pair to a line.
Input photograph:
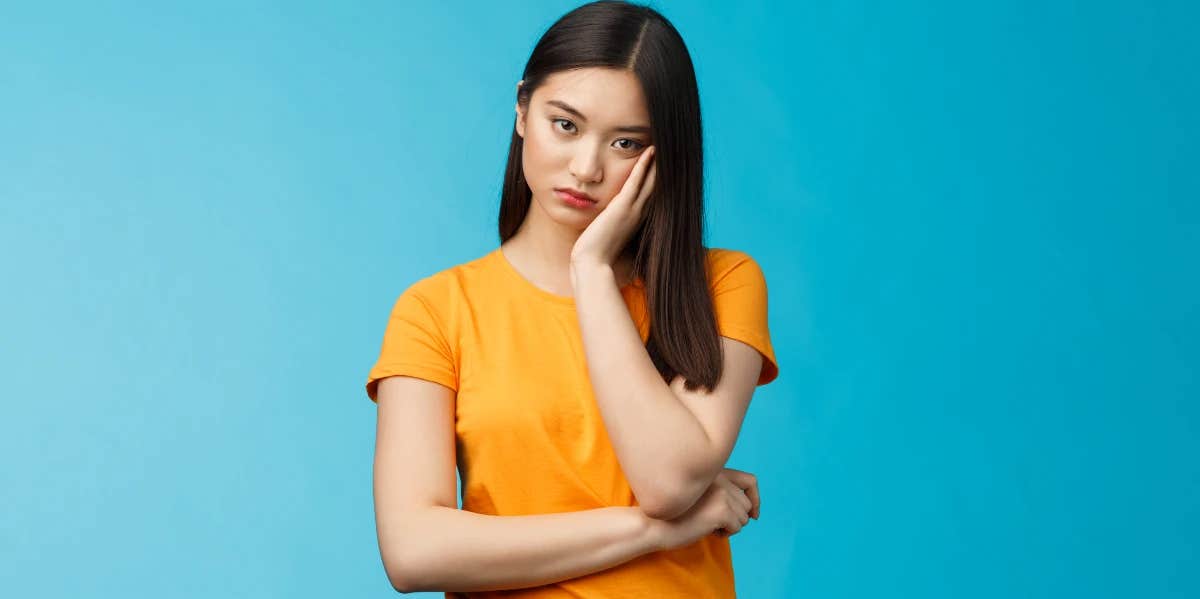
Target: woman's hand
[601,242]
[728,504]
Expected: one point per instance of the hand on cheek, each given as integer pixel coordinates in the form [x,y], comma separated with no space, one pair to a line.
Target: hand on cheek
[601,241]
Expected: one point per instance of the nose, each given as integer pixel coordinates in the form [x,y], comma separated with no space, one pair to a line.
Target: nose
[585,166]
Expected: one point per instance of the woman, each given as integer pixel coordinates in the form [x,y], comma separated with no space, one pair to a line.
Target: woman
[590,375]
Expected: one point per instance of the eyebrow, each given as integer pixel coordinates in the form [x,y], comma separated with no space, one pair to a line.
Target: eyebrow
[579,115]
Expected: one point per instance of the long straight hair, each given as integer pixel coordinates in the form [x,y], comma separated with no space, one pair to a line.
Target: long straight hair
[668,248]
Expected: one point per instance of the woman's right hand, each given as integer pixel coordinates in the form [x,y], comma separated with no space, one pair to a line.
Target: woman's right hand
[724,508]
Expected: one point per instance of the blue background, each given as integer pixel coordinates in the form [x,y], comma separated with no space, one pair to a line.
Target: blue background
[978,222]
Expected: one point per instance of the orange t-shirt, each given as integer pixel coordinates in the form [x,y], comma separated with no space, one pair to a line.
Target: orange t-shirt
[530,436]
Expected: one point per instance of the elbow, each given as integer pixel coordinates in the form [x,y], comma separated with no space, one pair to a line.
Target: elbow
[399,585]
[664,510]
[670,502]
[404,590]
[677,495]
[402,581]
[405,570]
[413,559]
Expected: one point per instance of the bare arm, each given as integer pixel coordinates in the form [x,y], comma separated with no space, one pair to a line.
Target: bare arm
[428,544]
[447,549]
[671,442]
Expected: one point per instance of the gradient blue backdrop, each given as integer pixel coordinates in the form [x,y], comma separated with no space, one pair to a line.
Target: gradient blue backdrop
[978,222]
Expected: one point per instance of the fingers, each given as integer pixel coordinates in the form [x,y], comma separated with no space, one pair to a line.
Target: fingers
[647,186]
[737,517]
[755,500]
[740,492]
[736,493]
[740,513]
[737,506]
[749,483]
[634,184]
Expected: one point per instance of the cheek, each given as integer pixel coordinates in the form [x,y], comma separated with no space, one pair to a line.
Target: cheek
[538,156]
[621,174]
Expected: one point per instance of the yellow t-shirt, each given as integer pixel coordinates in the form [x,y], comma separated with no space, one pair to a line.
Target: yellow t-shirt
[530,436]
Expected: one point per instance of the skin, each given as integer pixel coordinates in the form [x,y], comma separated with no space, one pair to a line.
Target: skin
[426,542]
[571,251]
[588,155]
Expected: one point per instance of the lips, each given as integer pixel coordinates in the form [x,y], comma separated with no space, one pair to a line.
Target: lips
[579,195]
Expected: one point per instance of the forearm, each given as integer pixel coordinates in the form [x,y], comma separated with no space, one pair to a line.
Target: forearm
[446,549]
[657,439]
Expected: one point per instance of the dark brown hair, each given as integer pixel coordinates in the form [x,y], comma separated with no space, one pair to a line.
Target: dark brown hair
[668,249]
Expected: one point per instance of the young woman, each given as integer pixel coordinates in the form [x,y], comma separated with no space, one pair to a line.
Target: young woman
[590,375]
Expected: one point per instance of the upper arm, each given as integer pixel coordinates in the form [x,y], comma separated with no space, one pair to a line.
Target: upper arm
[739,295]
[722,411]
[414,460]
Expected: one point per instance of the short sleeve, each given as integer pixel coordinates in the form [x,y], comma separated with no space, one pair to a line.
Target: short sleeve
[739,292]
[414,343]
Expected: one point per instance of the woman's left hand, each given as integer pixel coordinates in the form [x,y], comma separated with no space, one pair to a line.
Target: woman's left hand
[601,242]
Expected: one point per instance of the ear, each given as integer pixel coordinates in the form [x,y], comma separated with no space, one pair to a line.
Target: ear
[520,114]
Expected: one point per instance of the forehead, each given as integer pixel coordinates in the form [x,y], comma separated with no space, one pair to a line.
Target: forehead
[604,96]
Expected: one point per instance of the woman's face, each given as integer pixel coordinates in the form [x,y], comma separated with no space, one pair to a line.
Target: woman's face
[583,131]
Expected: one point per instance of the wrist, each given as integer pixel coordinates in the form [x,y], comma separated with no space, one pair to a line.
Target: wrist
[590,269]
[654,532]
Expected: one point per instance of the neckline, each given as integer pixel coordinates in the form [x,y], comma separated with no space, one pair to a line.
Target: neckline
[562,300]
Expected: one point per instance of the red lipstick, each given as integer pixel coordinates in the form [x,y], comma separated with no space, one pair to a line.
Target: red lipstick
[573,197]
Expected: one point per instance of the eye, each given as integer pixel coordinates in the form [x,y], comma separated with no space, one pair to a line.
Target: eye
[634,145]
[569,127]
